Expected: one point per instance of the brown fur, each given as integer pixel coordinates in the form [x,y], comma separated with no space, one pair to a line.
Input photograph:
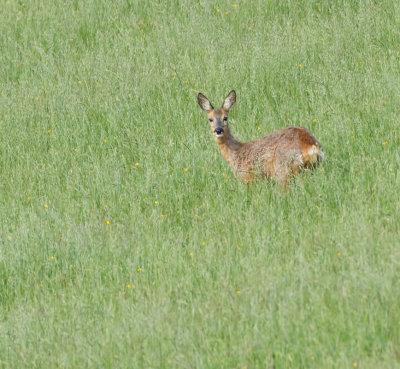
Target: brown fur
[277,155]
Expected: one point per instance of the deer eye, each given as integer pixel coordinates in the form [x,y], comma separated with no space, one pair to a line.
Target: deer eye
[225,119]
[210,120]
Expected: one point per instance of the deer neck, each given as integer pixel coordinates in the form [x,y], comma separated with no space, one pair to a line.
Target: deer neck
[229,146]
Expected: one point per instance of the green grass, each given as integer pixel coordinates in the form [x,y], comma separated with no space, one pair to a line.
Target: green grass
[221,274]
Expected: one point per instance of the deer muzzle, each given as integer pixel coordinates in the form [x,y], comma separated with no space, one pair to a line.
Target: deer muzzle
[219,132]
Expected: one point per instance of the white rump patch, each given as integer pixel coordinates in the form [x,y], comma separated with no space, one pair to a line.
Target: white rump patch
[316,154]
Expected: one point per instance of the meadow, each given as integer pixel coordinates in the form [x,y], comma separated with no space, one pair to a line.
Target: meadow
[125,239]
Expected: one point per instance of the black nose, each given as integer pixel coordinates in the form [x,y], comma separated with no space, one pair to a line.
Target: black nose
[219,131]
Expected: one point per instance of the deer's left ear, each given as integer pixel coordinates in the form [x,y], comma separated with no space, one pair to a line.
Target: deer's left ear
[204,103]
[229,100]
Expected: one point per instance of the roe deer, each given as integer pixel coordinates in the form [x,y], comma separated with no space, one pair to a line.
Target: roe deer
[277,155]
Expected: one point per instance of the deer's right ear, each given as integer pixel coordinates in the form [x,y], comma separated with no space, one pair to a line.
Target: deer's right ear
[229,101]
[204,103]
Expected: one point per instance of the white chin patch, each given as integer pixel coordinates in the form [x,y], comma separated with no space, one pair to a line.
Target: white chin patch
[219,135]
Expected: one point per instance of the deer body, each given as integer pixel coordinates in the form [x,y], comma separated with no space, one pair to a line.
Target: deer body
[278,155]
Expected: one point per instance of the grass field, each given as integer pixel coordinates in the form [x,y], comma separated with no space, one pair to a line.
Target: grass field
[125,239]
